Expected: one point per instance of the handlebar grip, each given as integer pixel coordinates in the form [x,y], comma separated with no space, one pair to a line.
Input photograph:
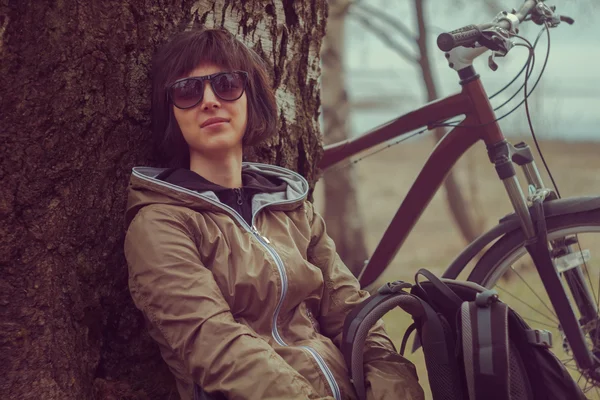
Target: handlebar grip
[467,35]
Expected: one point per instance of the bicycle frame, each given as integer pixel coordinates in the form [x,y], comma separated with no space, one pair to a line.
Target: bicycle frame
[472,102]
[479,124]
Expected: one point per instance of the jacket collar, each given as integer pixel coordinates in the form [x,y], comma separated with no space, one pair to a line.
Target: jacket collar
[144,189]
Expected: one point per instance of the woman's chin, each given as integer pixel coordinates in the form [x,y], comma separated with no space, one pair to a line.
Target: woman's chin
[218,147]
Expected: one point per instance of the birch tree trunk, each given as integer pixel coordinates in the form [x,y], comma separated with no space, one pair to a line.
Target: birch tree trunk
[74,119]
[342,214]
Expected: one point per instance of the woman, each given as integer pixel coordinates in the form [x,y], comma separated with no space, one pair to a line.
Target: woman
[230,264]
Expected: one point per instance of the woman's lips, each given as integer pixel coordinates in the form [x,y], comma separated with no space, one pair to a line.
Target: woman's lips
[214,121]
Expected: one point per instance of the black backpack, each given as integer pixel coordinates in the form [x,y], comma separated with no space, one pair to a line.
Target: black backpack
[475,346]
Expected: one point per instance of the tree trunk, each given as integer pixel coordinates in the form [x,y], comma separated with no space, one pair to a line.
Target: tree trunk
[75,106]
[467,224]
[342,214]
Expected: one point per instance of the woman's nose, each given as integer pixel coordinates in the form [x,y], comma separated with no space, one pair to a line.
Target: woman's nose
[210,99]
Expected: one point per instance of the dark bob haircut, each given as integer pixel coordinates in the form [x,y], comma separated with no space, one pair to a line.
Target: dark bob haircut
[181,55]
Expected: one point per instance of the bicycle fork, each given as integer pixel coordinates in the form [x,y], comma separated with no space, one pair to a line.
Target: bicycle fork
[533,223]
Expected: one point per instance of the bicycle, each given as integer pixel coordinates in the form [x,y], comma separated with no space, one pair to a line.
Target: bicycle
[543,225]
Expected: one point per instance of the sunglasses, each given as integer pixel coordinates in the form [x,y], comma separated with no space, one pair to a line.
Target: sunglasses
[188,92]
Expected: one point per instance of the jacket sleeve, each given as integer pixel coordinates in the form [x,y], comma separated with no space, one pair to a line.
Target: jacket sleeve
[180,297]
[388,375]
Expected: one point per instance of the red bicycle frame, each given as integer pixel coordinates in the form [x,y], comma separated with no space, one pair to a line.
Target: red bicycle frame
[479,124]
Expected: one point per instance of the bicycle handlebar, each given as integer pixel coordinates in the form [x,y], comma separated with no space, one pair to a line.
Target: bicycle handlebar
[469,35]
[465,36]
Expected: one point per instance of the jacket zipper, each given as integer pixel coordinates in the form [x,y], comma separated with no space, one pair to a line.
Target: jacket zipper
[238,193]
[275,332]
[280,267]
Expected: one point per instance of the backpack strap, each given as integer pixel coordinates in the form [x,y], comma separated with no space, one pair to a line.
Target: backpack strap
[362,318]
[451,300]
[486,347]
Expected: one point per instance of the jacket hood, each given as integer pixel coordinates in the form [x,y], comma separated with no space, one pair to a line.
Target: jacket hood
[252,181]
[145,189]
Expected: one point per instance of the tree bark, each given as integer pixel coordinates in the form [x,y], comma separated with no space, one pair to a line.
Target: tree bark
[75,117]
[467,224]
[342,214]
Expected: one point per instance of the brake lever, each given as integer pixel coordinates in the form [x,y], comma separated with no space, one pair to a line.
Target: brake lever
[566,19]
[498,41]
[544,14]
[492,62]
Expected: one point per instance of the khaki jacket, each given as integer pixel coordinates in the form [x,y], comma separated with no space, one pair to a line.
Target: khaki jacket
[253,312]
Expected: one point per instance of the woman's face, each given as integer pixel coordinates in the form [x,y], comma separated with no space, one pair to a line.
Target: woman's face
[214,127]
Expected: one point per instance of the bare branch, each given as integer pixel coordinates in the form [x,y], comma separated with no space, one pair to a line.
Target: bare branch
[395,23]
[384,37]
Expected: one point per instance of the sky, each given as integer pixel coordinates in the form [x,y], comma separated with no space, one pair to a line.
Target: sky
[565,105]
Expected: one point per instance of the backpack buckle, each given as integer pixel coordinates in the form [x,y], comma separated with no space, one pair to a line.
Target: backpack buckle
[393,287]
[485,299]
[540,337]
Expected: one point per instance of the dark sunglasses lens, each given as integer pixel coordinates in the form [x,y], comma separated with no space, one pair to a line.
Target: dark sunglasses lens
[229,86]
[187,93]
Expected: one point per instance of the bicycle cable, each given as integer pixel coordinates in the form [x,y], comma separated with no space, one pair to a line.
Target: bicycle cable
[518,75]
[529,116]
[530,63]
[456,122]
[587,272]
[528,67]
[530,60]
[353,162]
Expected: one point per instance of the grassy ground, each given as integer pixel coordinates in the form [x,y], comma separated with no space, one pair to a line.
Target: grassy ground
[384,180]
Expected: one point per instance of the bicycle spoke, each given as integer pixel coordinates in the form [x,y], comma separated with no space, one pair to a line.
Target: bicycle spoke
[595,296]
[585,387]
[534,309]
[535,321]
[574,369]
[597,334]
[588,388]
[536,295]
[587,272]
[581,290]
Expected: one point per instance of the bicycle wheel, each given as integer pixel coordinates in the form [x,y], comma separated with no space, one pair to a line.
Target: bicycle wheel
[508,268]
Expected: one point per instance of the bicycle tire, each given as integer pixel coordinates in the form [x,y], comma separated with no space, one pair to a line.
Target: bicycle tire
[496,261]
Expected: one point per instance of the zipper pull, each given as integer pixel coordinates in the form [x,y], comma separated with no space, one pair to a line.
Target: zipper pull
[238,192]
[257,233]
